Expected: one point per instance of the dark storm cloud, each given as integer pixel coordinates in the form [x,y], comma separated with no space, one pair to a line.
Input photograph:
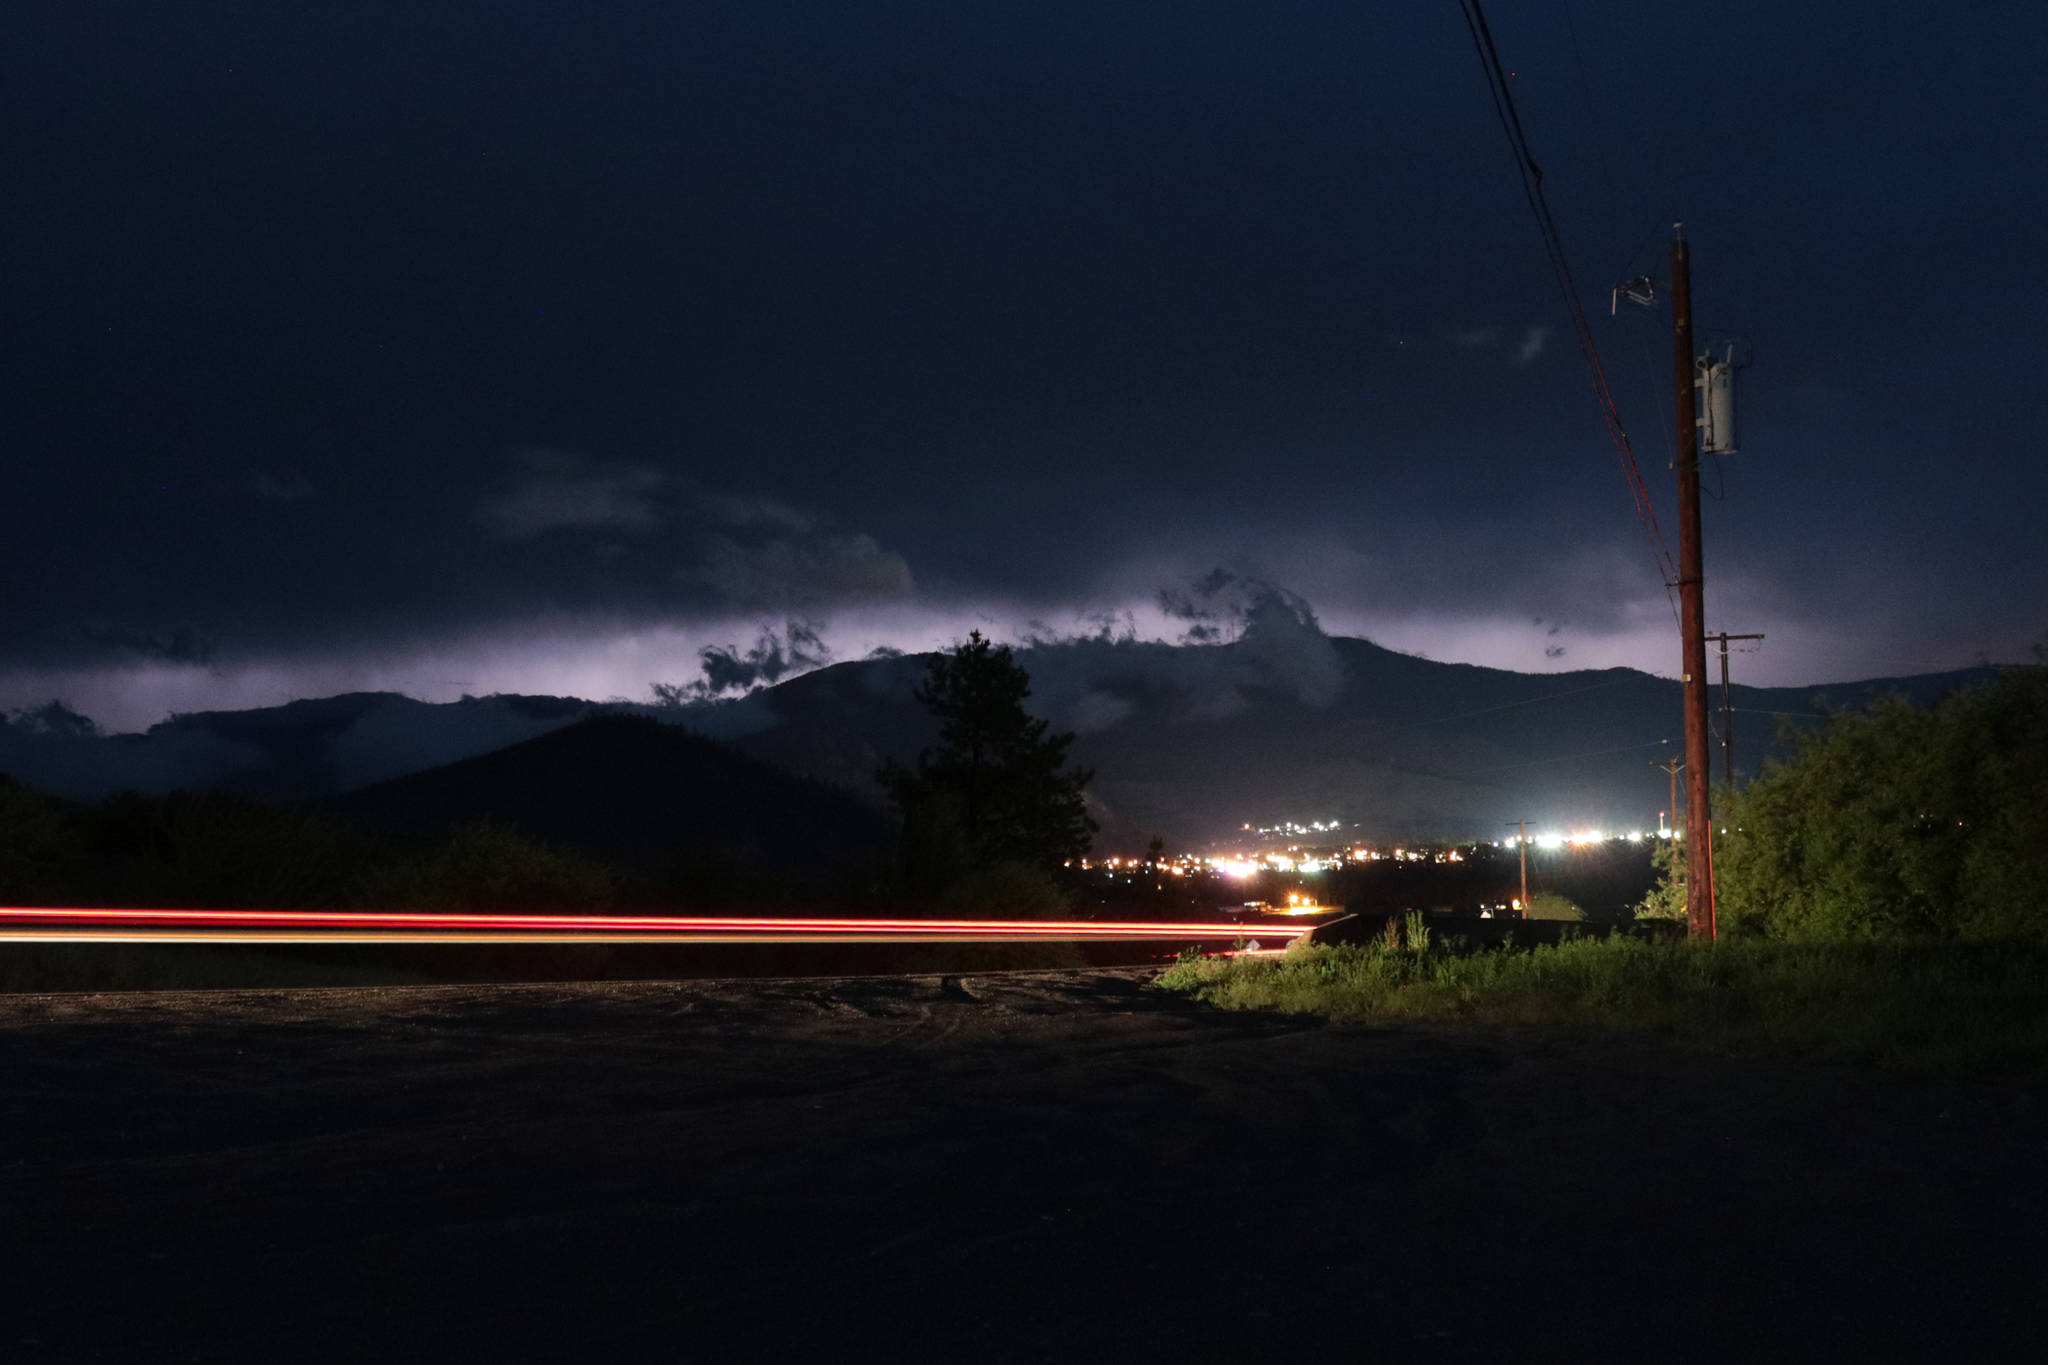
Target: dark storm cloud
[1474,338]
[757,513]
[178,645]
[1518,346]
[555,491]
[549,546]
[748,571]
[281,486]
[883,319]
[722,551]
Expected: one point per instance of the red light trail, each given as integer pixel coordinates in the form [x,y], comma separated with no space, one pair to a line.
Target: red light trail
[64,923]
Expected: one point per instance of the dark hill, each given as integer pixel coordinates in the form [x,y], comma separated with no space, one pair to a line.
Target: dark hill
[632,790]
[302,750]
[1195,742]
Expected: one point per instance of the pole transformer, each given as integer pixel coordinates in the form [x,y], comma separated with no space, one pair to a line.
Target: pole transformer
[1692,614]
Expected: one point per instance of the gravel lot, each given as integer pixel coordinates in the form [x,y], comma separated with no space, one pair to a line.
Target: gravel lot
[1027,1166]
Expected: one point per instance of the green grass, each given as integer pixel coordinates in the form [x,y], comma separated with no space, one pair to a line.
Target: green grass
[1936,1008]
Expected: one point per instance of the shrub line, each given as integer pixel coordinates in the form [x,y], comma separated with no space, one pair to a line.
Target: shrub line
[1970,1008]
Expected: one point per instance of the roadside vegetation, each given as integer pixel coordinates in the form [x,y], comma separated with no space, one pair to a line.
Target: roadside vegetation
[1899,822]
[1957,1008]
[216,850]
[1883,897]
[1550,905]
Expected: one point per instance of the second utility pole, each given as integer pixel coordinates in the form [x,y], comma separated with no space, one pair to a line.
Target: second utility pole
[1523,844]
[1671,766]
[1728,708]
[1692,614]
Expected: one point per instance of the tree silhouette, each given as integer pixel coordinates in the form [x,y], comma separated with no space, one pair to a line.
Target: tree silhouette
[996,774]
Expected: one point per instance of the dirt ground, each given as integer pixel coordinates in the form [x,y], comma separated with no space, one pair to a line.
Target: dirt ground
[1045,1166]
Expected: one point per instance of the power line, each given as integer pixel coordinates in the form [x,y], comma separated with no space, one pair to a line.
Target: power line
[1594,121]
[1531,175]
[1504,706]
[1565,758]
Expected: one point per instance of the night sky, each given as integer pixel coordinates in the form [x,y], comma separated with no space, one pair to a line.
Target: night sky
[520,346]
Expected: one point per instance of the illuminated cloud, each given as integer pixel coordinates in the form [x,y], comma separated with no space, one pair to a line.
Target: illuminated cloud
[796,648]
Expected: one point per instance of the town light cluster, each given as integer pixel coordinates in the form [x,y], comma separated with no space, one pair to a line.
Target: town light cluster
[1307,856]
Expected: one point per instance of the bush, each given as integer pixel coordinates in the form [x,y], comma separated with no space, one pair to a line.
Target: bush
[1666,900]
[1899,822]
[1006,890]
[489,866]
[1550,905]
[40,845]
[210,849]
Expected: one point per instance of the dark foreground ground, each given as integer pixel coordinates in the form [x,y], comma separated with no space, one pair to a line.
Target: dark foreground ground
[1030,1167]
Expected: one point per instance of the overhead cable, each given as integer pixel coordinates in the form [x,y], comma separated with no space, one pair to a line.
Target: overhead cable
[1532,189]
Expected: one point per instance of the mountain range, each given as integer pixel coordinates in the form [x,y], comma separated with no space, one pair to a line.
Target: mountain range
[1195,742]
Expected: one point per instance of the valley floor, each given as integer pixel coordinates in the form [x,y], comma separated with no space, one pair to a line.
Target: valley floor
[1016,1166]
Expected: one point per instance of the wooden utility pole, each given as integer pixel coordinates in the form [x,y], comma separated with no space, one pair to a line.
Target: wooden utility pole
[1522,843]
[1728,708]
[1671,766]
[1692,613]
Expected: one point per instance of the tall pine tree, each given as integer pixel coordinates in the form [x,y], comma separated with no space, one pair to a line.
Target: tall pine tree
[996,771]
